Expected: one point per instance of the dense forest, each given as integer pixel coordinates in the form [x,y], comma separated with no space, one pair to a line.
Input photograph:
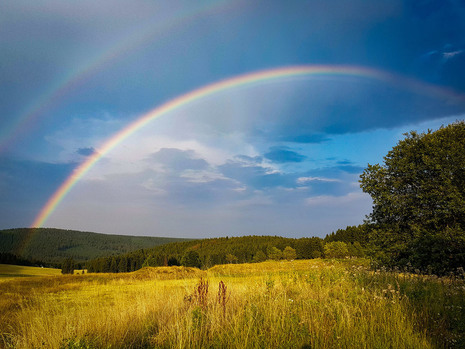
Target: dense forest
[10,258]
[115,253]
[209,252]
[352,241]
[53,246]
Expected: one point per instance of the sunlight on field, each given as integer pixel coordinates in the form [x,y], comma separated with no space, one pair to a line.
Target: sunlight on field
[11,271]
[307,304]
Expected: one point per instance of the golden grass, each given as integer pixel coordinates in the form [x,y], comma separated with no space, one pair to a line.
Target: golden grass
[306,304]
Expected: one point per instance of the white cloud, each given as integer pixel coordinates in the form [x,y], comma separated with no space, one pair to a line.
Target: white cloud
[303,180]
[338,201]
[452,54]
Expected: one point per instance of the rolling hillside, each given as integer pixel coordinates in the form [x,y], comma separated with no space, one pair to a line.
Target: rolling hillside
[54,245]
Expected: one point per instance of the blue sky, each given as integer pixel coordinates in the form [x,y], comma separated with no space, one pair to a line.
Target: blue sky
[282,157]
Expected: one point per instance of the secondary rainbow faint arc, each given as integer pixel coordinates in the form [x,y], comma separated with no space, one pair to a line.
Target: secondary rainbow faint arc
[208,90]
[73,78]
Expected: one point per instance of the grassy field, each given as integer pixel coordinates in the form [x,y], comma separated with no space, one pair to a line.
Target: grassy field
[296,304]
[13,271]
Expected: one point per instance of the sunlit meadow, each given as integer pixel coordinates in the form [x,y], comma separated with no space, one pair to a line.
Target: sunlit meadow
[286,304]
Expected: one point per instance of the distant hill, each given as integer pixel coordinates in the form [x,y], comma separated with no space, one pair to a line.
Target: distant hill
[54,245]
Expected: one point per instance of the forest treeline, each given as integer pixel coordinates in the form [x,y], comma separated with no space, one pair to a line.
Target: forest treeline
[69,249]
[53,246]
[245,249]
[10,258]
[206,253]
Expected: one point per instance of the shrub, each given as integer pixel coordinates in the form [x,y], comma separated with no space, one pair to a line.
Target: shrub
[289,253]
[336,249]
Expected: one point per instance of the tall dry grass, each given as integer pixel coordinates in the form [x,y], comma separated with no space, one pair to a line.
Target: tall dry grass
[299,304]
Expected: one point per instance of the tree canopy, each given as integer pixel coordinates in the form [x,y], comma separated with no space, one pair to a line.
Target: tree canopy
[68,266]
[209,252]
[419,197]
[336,249]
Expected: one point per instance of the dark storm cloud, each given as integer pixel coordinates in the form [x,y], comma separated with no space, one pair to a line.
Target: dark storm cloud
[26,186]
[349,105]
[445,66]
[344,162]
[337,172]
[283,155]
[255,177]
[421,27]
[453,71]
[86,151]
[250,159]
[306,138]
[350,168]
[42,42]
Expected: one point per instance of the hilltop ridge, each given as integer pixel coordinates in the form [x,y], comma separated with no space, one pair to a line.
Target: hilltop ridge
[53,245]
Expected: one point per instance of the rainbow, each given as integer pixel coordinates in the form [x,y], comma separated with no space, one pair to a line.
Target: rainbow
[249,79]
[72,80]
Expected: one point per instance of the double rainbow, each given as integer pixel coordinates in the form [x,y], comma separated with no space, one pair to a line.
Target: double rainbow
[73,79]
[235,82]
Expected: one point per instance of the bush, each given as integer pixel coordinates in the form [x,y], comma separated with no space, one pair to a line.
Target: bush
[289,253]
[275,253]
[336,249]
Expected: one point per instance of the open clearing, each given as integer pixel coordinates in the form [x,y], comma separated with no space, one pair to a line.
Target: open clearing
[286,304]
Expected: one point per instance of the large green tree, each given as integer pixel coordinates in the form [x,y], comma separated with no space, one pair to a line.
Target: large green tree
[68,266]
[419,198]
